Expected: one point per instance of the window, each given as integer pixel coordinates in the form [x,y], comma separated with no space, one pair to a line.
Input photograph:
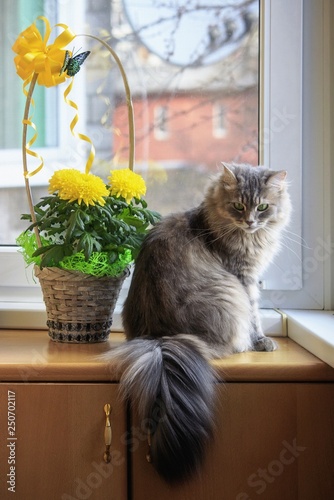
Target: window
[183,94]
[182,61]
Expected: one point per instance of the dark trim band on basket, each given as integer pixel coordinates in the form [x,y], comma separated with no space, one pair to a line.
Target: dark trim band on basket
[71,332]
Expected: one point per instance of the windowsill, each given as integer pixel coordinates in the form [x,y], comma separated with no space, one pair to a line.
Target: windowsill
[313,330]
[30,356]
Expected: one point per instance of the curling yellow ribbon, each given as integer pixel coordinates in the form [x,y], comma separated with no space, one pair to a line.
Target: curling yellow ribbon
[76,134]
[30,152]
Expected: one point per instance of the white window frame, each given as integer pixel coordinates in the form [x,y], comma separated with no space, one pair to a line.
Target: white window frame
[296,90]
[314,329]
[312,146]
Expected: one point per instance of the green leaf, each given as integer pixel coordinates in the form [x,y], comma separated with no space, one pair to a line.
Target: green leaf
[42,250]
[133,221]
[53,254]
[142,202]
[73,222]
[88,244]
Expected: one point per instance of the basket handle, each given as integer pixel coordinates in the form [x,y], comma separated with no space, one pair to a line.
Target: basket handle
[24,155]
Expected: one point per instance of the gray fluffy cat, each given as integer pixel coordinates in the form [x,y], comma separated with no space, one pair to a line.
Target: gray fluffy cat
[194,296]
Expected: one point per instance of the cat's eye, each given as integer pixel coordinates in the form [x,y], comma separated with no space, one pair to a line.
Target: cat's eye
[239,206]
[262,207]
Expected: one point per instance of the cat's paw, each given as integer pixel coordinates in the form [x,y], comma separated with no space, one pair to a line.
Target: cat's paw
[264,344]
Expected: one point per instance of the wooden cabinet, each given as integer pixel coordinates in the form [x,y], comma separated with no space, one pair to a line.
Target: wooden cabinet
[273,441]
[55,395]
[52,442]
[274,427]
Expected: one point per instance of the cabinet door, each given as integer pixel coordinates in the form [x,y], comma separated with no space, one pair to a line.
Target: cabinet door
[52,442]
[273,441]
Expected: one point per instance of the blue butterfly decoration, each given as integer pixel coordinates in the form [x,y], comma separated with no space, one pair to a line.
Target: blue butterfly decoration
[72,64]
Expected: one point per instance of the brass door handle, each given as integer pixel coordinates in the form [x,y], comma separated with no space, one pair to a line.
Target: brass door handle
[107,433]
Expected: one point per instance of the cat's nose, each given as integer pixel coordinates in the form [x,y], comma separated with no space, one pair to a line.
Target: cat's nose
[249,222]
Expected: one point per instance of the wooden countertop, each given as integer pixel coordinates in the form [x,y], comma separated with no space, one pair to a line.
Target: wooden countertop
[30,356]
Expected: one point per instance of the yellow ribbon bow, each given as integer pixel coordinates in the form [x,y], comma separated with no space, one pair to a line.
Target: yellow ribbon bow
[35,56]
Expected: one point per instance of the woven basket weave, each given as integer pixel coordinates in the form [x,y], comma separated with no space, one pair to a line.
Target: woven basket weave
[79,306]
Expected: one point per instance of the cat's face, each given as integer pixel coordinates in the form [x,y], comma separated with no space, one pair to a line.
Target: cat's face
[252,198]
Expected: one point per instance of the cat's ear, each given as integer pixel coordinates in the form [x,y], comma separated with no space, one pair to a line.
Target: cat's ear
[228,176]
[277,179]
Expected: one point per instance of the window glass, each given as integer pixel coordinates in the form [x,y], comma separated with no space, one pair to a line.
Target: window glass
[193,72]
[17,15]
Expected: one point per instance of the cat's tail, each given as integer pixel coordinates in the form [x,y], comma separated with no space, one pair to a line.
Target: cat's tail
[171,383]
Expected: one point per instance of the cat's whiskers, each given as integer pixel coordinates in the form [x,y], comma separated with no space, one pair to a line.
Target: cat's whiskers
[286,246]
[223,234]
[292,251]
[224,230]
[298,239]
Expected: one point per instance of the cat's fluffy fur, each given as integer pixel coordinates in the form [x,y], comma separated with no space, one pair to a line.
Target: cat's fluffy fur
[194,296]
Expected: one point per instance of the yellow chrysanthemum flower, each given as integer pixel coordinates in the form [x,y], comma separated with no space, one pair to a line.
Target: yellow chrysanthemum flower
[72,185]
[127,184]
[36,56]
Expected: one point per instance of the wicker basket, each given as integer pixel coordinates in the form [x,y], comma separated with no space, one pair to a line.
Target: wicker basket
[79,306]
